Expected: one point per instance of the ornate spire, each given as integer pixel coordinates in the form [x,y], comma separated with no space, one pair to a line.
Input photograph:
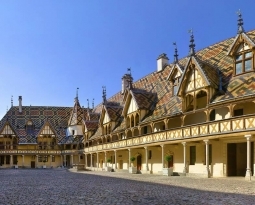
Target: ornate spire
[175,53]
[93,103]
[192,45]
[88,103]
[130,80]
[104,94]
[76,98]
[240,28]
[12,101]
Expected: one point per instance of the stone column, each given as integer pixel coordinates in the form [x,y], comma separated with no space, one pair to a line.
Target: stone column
[97,161]
[105,160]
[65,160]
[146,158]
[248,167]
[115,159]
[23,160]
[36,161]
[11,160]
[129,156]
[162,155]
[91,162]
[71,160]
[50,160]
[86,161]
[61,163]
[207,170]
[184,158]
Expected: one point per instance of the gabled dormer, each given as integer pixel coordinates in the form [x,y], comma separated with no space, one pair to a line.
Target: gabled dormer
[110,115]
[242,50]
[137,103]
[175,73]
[7,130]
[198,83]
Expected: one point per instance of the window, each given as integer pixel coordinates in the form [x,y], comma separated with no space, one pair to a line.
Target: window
[42,158]
[30,128]
[8,145]
[1,160]
[238,112]
[243,59]
[175,85]
[52,158]
[210,154]
[192,155]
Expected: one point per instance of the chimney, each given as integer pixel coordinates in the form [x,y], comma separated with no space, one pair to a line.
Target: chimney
[127,79]
[162,62]
[20,104]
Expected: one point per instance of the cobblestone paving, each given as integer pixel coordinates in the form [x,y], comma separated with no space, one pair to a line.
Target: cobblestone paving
[62,187]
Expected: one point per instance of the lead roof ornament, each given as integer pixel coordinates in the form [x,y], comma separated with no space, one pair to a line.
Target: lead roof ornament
[240,22]
[192,45]
[175,53]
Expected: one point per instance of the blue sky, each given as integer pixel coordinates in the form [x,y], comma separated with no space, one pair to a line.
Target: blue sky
[48,48]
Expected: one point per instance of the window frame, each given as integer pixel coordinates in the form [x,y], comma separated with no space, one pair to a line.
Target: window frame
[243,59]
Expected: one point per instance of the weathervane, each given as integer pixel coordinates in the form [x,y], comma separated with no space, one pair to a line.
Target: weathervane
[192,45]
[240,22]
[175,53]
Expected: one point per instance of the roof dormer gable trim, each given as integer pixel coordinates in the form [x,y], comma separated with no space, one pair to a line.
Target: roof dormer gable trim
[240,38]
[129,97]
[103,113]
[43,127]
[192,60]
[175,67]
[10,126]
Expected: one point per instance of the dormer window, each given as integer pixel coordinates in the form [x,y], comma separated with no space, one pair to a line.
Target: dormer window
[175,85]
[243,59]
[30,127]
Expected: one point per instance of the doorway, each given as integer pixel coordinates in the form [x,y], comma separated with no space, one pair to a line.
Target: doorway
[139,162]
[32,164]
[237,158]
[121,164]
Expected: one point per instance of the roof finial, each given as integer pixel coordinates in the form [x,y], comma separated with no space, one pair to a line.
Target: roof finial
[175,53]
[130,86]
[104,94]
[12,101]
[88,103]
[7,109]
[93,103]
[77,92]
[192,45]
[240,28]
[129,71]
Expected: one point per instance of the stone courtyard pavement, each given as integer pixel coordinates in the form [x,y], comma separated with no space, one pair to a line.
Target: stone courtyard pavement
[62,186]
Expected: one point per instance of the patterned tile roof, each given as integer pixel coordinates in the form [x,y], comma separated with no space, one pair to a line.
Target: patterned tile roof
[77,114]
[214,62]
[144,99]
[57,117]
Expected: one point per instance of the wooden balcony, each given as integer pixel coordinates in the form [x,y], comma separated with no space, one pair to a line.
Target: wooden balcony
[219,127]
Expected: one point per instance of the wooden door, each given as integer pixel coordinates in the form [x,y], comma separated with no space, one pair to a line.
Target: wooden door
[139,162]
[121,164]
[231,164]
[32,164]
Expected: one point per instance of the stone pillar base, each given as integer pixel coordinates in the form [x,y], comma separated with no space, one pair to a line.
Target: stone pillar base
[248,175]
